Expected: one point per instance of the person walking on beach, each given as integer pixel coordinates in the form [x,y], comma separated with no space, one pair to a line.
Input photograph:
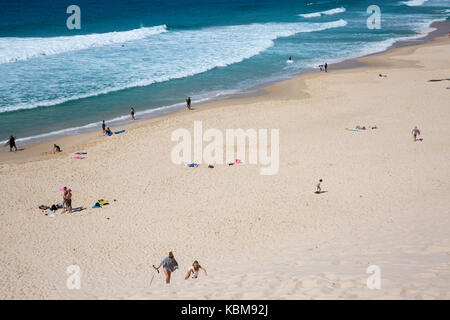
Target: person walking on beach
[194,269]
[12,143]
[67,200]
[326,67]
[318,187]
[415,132]
[104,127]
[132,113]
[188,103]
[169,265]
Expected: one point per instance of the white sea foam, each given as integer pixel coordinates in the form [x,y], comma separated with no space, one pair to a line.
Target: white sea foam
[414,3]
[172,55]
[20,49]
[321,13]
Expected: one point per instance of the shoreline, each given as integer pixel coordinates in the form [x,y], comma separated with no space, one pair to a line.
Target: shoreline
[38,148]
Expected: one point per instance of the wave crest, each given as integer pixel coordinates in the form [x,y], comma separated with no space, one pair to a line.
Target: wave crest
[20,49]
[321,13]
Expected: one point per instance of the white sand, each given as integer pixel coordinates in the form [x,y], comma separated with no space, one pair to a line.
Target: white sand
[258,236]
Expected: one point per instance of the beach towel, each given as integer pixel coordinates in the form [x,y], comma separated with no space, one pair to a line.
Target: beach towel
[43,207]
[355,129]
[103,202]
[78,157]
[81,153]
[191,165]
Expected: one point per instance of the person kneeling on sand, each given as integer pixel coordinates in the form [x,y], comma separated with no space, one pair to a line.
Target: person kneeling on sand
[108,131]
[56,148]
[194,269]
[169,265]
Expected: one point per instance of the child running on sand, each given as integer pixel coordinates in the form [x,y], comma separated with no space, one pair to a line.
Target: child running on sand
[169,265]
[318,187]
[415,132]
[194,269]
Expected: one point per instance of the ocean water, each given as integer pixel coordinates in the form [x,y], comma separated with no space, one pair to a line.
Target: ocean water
[152,54]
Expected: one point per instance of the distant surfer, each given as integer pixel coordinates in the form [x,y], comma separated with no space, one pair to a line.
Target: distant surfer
[12,143]
[132,113]
[188,103]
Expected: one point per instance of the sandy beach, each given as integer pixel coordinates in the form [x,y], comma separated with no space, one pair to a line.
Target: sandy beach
[259,236]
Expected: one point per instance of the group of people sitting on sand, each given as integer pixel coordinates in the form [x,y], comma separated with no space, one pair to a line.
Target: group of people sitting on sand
[170,265]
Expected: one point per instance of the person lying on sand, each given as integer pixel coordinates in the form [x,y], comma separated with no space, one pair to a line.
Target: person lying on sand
[361,127]
[382,75]
[194,269]
[56,148]
[169,265]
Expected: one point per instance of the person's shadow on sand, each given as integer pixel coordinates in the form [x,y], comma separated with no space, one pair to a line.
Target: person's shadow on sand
[420,139]
[78,209]
[320,192]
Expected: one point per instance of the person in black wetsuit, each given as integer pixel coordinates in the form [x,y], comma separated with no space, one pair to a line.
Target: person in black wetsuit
[104,127]
[12,143]
[188,103]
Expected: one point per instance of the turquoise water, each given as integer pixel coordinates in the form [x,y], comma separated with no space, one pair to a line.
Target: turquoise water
[152,54]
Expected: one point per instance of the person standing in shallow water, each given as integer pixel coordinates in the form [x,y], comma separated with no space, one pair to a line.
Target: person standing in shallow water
[326,67]
[188,103]
[169,265]
[132,113]
[12,143]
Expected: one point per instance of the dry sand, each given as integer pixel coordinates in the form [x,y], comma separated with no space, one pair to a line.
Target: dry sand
[259,237]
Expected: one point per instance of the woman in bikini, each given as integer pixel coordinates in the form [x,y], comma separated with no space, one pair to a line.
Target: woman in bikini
[194,269]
